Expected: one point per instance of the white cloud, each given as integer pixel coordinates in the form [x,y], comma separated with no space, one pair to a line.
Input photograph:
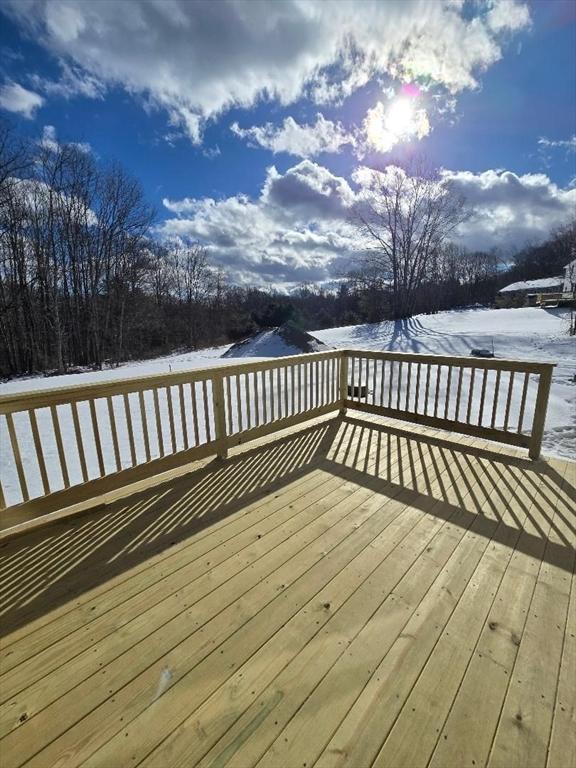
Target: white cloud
[567,144]
[50,141]
[309,189]
[72,82]
[15,98]
[297,230]
[195,60]
[508,15]
[301,228]
[306,140]
[510,210]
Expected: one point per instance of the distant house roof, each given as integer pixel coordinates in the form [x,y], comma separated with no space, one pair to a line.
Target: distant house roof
[533,285]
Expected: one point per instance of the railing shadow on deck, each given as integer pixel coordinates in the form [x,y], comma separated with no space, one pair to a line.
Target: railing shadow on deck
[43,569]
[467,482]
[58,564]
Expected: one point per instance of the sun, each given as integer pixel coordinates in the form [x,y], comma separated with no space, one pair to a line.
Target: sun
[386,126]
[401,117]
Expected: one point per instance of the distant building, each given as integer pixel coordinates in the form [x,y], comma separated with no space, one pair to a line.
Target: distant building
[526,292]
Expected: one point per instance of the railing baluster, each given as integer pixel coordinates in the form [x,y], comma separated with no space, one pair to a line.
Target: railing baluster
[407,400]
[256,400]
[399,385]
[470,395]
[206,411]
[239,404]
[496,396]
[437,393]
[383,370]
[286,408]
[264,398]
[40,452]
[417,398]
[97,440]
[272,403]
[229,402]
[160,436]
[343,382]
[448,385]
[60,446]
[482,397]
[390,383]
[248,404]
[428,366]
[128,414]
[458,393]
[144,419]
[195,424]
[18,457]
[171,418]
[523,402]
[79,442]
[508,401]
[115,445]
[279,392]
[183,416]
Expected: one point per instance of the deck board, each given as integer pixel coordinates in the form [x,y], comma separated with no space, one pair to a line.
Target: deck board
[352,593]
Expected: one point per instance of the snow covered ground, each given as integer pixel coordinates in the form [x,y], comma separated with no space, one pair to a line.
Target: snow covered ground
[525,334]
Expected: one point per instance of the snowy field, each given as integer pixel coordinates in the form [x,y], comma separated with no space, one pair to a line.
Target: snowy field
[524,334]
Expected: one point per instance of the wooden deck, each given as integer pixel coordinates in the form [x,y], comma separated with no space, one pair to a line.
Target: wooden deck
[352,593]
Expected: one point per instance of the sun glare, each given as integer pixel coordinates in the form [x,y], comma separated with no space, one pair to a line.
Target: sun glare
[399,121]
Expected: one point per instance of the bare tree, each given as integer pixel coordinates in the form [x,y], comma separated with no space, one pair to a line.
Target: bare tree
[404,218]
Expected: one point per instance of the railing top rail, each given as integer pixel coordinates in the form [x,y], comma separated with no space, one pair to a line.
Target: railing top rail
[492,363]
[42,398]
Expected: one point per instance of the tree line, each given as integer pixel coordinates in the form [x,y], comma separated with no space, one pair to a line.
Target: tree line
[84,283]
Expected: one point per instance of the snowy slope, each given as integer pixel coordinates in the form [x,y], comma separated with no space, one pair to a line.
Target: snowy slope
[528,333]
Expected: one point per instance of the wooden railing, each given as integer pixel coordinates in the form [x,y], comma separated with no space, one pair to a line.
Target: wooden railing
[61,447]
[501,400]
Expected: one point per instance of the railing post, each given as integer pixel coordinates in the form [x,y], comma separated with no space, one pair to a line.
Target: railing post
[540,409]
[219,415]
[343,381]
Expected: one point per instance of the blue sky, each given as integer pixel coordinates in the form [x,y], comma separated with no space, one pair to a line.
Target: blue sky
[223,110]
